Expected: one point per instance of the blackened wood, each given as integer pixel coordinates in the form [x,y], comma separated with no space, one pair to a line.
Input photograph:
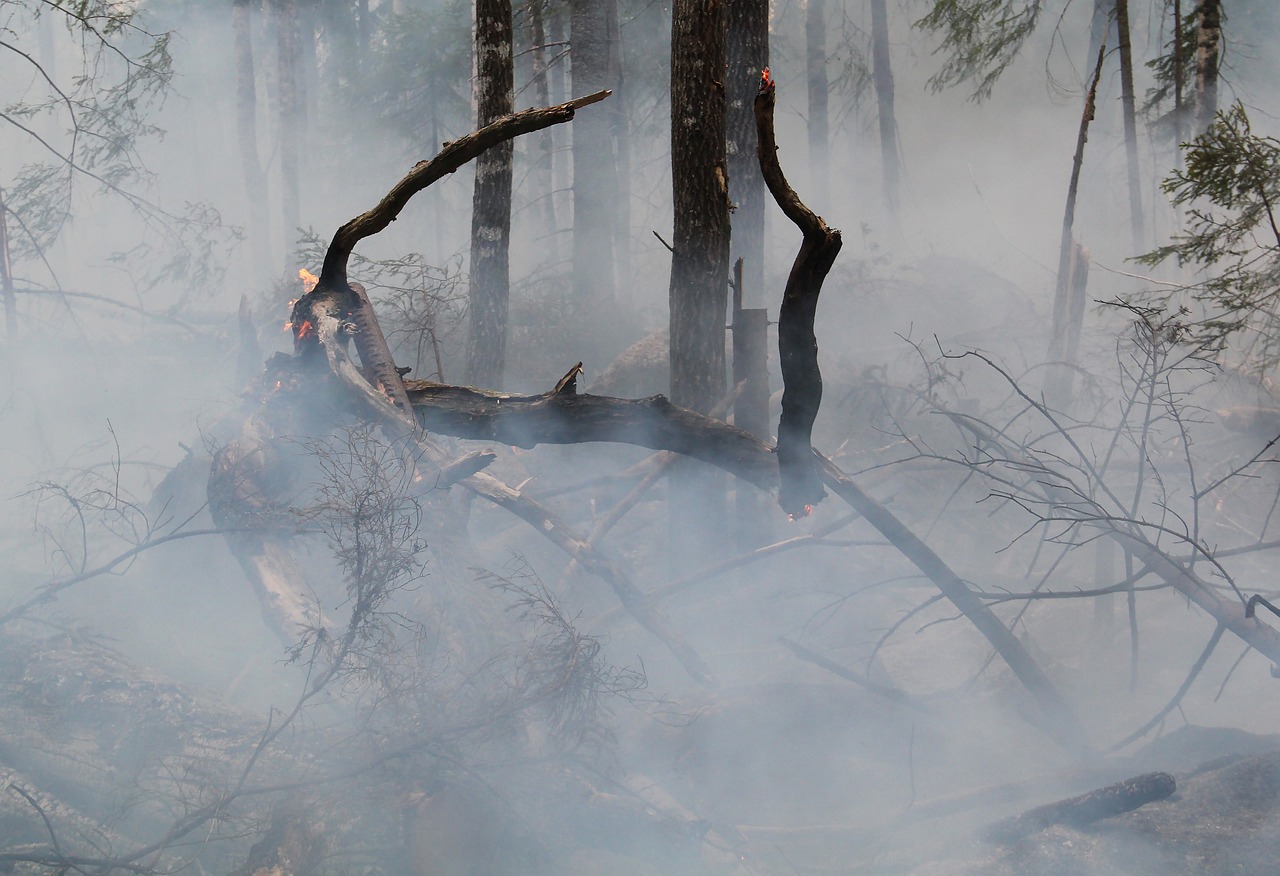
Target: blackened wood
[1129,107]
[1208,58]
[1087,808]
[451,156]
[800,486]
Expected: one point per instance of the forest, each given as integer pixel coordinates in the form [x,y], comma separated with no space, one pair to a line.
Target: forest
[627,437]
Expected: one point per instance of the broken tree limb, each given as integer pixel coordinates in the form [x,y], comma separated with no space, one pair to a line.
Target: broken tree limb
[1079,811]
[452,156]
[799,484]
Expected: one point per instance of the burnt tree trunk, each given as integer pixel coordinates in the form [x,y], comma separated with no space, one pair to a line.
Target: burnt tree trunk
[747,50]
[491,201]
[1129,108]
[1208,59]
[882,75]
[799,483]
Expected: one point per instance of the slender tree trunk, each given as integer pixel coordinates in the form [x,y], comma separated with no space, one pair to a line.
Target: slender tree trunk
[815,33]
[291,132]
[747,50]
[543,163]
[1178,84]
[6,278]
[255,180]
[1208,58]
[491,202]
[882,73]
[1130,126]
[594,170]
[1058,383]
[619,127]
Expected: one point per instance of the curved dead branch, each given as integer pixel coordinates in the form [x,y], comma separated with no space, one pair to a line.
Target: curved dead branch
[800,486]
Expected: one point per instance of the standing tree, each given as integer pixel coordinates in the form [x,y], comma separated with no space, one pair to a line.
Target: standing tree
[491,202]
[747,50]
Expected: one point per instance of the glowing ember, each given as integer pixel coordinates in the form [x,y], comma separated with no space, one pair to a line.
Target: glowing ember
[766,81]
[305,329]
[808,509]
[309,280]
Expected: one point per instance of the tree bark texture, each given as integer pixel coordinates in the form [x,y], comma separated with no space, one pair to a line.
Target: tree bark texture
[1129,108]
[699,290]
[491,200]
[800,487]
[594,166]
[882,75]
[747,50]
[815,37]
[1208,59]
[255,181]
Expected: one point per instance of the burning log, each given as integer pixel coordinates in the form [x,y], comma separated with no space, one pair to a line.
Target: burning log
[799,483]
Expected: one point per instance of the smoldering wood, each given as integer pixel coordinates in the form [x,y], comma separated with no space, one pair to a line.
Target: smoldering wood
[1087,808]
[800,486]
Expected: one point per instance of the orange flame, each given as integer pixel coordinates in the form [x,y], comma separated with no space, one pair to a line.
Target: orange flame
[766,81]
[808,509]
[309,280]
[305,329]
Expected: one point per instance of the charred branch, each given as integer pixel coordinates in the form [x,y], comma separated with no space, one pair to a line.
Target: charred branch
[1079,811]
[800,485]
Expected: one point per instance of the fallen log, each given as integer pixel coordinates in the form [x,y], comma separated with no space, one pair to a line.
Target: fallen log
[1085,809]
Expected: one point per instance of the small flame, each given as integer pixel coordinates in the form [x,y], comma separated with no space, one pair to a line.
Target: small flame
[309,280]
[766,81]
[305,329]
[287,326]
[793,517]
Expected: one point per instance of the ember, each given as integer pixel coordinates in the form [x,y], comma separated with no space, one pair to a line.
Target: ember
[766,81]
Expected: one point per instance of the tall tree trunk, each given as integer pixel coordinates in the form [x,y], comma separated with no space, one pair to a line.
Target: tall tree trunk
[255,180]
[700,260]
[1179,85]
[1058,381]
[882,74]
[747,50]
[815,35]
[544,158]
[1208,58]
[291,132]
[6,280]
[619,127]
[491,202]
[594,184]
[1130,126]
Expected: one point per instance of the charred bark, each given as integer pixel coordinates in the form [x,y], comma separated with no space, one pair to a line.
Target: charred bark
[491,201]
[800,486]
[1087,808]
